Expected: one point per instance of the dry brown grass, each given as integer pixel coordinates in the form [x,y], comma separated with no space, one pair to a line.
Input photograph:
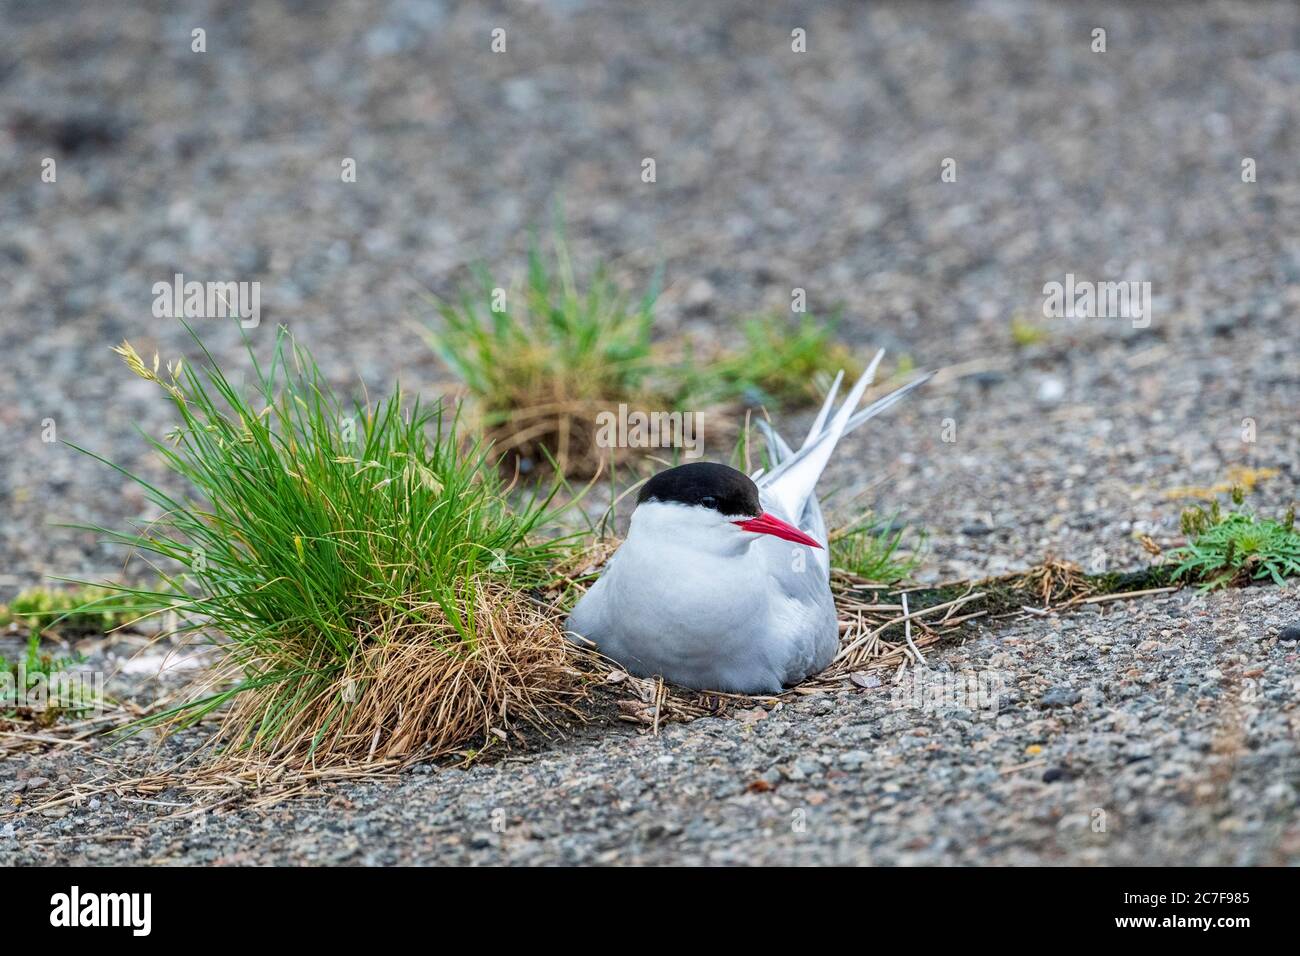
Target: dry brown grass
[414,690]
[1054,581]
[549,427]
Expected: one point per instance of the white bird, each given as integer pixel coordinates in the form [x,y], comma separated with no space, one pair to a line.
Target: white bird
[723,580]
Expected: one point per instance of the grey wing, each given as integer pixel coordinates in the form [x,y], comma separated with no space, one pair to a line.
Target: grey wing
[801,608]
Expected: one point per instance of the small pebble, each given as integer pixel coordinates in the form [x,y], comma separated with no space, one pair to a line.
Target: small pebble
[1051,390]
[1060,697]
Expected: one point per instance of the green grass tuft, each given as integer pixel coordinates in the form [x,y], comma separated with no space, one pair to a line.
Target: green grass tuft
[542,357]
[1236,547]
[81,610]
[781,362]
[60,697]
[873,549]
[317,531]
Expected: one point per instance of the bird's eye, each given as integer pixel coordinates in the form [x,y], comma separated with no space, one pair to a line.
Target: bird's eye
[709,501]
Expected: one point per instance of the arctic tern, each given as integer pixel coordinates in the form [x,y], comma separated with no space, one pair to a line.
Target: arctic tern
[723,580]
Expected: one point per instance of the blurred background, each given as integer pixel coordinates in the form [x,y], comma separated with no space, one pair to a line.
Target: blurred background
[775,170]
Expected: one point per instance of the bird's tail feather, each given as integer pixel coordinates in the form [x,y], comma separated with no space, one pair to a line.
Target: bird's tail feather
[884,403]
[794,475]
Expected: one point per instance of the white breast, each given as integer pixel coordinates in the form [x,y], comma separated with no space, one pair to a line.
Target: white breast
[710,608]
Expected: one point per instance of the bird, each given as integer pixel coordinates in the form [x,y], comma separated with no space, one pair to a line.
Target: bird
[723,580]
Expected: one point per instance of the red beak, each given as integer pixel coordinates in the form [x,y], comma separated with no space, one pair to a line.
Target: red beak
[770,524]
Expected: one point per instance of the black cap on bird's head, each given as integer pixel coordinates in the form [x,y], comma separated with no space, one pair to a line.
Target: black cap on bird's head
[723,489]
[720,488]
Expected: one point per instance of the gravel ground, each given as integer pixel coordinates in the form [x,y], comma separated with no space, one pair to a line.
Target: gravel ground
[775,170]
[1158,732]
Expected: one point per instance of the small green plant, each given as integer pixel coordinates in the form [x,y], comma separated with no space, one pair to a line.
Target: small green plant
[1236,547]
[543,357]
[81,610]
[360,565]
[780,362]
[39,675]
[1025,333]
[873,549]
